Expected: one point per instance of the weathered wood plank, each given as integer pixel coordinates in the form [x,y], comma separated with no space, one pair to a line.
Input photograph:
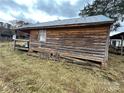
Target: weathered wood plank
[55,45]
[22,48]
[43,49]
[21,40]
[71,54]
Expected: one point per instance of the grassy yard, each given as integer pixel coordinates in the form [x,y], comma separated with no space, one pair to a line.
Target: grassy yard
[20,73]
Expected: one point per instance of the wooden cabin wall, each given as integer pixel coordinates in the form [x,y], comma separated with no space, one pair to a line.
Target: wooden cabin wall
[93,37]
[81,42]
[85,42]
[34,35]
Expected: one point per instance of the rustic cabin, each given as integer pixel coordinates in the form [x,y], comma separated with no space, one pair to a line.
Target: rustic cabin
[85,38]
[117,43]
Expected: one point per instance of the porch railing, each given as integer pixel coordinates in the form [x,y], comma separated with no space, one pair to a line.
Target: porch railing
[22,44]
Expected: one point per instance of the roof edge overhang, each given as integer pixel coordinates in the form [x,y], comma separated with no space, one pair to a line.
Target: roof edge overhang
[65,25]
[117,36]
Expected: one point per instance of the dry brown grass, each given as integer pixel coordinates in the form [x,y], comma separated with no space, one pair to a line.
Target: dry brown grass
[20,73]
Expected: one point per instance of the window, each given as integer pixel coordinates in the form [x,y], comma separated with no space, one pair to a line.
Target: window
[42,36]
[114,43]
[14,37]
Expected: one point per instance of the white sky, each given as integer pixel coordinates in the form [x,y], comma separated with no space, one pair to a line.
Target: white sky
[41,15]
[34,14]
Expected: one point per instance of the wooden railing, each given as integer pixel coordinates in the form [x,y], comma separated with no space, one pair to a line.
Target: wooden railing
[22,44]
[116,50]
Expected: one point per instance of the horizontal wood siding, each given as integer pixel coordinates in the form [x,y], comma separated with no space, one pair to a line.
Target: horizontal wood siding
[79,42]
[33,38]
[93,37]
[34,35]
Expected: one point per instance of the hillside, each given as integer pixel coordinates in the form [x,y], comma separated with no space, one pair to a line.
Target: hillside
[20,73]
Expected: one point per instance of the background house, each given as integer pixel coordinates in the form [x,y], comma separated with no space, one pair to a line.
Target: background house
[117,43]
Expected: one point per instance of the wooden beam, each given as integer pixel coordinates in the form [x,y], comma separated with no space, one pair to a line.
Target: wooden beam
[22,40]
[14,42]
[21,48]
[104,64]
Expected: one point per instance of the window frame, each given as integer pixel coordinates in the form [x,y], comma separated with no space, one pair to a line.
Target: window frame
[43,34]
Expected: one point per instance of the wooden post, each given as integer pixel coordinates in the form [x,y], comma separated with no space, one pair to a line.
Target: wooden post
[104,63]
[14,45]
[122,39]
[14,38]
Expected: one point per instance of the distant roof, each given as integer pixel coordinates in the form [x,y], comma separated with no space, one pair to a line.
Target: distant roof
[90,20]
[119,30]
[117,36]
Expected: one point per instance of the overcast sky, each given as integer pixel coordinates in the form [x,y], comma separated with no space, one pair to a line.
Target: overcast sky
[40,10]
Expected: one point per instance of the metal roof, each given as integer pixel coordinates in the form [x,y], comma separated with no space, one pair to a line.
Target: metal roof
[118,31]
[117,36]
[82,21]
